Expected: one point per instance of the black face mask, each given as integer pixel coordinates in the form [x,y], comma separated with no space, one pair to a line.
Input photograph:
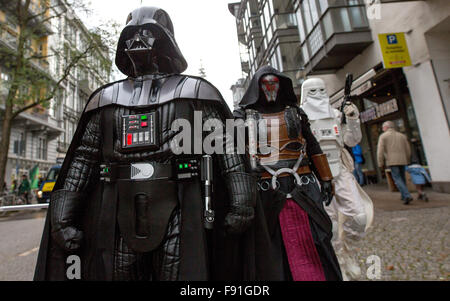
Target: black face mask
[141,51]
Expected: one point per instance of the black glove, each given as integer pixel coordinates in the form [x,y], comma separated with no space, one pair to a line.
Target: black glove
[327,192]
[64,210]
[242,190]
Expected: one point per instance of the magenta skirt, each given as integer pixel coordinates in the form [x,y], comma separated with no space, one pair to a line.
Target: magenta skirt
[304,261]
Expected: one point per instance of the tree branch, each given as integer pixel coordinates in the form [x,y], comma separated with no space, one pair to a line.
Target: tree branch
[56,86]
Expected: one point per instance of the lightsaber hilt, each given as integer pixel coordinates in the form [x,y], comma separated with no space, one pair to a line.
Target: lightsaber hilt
[252,137]
[207,179]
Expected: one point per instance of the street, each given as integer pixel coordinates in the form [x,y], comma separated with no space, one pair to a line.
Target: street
[411,241]
[20,235]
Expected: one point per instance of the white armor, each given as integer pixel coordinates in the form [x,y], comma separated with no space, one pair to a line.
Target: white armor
[352,210]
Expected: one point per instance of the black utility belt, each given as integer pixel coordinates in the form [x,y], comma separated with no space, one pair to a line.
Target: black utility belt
[180,169]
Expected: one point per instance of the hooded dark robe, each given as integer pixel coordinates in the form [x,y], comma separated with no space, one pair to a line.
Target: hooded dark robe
[308,197]
[204,255]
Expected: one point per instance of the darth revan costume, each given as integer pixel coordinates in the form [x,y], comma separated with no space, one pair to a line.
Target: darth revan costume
[284,155]
[124,202]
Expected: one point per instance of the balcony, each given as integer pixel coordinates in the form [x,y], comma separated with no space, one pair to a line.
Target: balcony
[245,66]
[341,34]
[285,21]
[254,28]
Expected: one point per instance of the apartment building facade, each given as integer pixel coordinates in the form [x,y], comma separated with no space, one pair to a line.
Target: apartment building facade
[41,135]
[336,37]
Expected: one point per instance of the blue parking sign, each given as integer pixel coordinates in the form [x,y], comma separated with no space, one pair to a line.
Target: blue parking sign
[392,39]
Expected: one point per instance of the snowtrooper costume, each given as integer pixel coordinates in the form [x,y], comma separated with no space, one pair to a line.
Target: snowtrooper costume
[352,210]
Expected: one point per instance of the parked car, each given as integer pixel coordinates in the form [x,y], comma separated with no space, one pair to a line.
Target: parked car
[47,185]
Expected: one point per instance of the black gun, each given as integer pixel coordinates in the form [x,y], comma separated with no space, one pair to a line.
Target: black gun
[347,96]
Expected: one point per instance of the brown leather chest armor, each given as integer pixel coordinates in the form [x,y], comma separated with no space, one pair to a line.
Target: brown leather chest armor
[285,152]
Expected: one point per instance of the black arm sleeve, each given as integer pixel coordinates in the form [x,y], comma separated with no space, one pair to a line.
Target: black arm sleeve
[241,185]
[86,157]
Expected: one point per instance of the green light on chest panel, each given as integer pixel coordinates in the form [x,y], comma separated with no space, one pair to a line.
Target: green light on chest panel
[144,117]
[181,166]
[185,165]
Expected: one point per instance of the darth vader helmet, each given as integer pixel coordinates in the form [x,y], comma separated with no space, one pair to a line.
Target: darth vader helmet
[147,44]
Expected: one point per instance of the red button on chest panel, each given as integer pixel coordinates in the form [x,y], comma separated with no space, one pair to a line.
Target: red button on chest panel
[144,124]
[129,139]
[336,130]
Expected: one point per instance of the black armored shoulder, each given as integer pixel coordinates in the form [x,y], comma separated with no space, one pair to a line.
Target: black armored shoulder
[153,91]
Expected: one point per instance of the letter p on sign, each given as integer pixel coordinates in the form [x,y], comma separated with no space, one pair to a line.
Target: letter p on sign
[392,39]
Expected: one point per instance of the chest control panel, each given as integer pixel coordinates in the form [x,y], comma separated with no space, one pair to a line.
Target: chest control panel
[140,131]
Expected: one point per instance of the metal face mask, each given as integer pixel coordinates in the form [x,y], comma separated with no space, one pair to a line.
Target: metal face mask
[270,84]
[139,50]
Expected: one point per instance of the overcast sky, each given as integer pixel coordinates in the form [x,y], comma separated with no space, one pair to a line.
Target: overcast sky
[204,29]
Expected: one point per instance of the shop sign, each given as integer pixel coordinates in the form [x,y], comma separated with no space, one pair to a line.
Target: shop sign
[363,88]
[395,50]
[379,110]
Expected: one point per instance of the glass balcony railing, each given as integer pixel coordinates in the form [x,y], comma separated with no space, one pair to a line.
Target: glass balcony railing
[285,21]
[344,19]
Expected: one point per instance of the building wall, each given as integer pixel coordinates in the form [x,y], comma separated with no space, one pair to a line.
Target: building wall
[438,44]
[416,18]
[29,123]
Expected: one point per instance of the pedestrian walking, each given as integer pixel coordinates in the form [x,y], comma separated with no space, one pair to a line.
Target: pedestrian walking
[359,161]
[394,152]
[24,189]
[14,187]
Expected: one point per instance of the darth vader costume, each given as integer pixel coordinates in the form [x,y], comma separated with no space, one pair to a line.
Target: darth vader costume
[130,206]
[289,163]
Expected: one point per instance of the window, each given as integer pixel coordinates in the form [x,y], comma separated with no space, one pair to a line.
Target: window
[69,131]
[358,17]
[20,145]
[70,97]
[4,85]
[53,174]
[307,16]
[314,12]
[323,5]
[290,55]
[42,149]
[283,6]
[315,40]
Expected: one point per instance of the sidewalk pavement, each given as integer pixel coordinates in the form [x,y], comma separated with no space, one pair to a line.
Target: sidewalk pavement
[411,241]
[385,200]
